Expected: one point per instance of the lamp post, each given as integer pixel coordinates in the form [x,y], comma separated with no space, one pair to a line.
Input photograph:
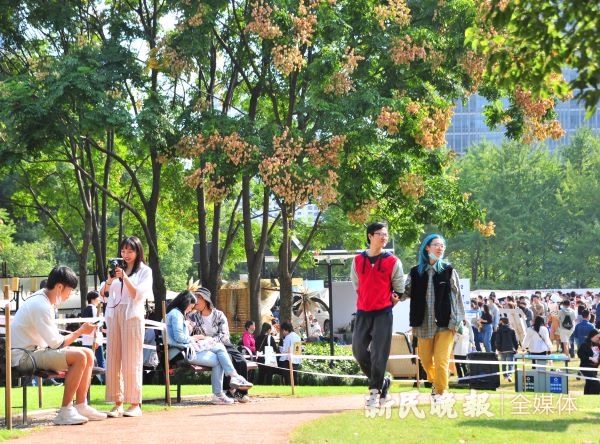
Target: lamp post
[327,260]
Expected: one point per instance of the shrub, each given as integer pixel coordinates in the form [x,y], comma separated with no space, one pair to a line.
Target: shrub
[332,367]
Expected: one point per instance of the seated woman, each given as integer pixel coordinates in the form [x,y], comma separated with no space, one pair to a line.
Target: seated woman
[199,349]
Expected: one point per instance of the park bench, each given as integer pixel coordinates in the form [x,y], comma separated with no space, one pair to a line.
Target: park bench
[177,368]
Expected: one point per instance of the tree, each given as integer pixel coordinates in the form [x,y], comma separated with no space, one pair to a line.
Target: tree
[343,104]
[577,204]
[518,186]
[74,82]
[530,43]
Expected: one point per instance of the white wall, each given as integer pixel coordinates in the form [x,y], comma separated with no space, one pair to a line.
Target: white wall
[344,304]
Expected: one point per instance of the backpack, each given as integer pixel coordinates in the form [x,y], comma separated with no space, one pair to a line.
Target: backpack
[567,323]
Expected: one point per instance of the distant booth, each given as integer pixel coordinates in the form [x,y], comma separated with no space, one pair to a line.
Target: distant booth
[233,299]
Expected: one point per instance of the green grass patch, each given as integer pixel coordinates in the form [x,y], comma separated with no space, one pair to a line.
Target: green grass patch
[505,426]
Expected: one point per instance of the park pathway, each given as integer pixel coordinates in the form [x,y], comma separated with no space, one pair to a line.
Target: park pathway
[261,420]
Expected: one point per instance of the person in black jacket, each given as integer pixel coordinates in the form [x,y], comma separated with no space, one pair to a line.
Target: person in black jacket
[91,311]
[506,346]
[266,369]
[589,353]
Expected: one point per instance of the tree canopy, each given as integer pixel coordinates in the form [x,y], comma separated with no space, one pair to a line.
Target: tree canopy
[529,44]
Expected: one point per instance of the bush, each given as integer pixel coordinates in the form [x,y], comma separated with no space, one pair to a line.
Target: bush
[336,367]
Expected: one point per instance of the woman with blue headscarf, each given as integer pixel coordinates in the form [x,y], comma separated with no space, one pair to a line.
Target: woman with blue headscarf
[436,311]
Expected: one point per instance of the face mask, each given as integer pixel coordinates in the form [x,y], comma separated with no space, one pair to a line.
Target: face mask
[433,257]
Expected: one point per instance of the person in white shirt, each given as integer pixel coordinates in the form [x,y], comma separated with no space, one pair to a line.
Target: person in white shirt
[127,288]
[290,337]
[35,336]
[537,338]
[566,318]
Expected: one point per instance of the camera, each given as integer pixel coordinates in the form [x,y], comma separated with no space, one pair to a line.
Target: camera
[114,263]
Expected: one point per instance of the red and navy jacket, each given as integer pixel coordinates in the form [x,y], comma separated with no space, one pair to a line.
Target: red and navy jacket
[374,282]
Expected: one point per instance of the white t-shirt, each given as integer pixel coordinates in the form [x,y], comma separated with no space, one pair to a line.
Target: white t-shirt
[34,327]
[207,324]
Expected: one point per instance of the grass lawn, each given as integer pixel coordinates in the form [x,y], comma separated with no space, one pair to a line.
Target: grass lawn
[549,420]
[548,427]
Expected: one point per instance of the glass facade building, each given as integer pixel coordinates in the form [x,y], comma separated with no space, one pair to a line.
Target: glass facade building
[468,125]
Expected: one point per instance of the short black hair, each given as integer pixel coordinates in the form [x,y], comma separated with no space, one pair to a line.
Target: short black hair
[93,294]
[248,324]
[287,326]
[373,227]
[585,313]
[61,274]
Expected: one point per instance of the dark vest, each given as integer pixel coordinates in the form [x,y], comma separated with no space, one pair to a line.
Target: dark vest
[443,292]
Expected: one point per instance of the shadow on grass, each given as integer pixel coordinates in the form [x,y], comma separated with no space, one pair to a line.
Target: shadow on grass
[527,422]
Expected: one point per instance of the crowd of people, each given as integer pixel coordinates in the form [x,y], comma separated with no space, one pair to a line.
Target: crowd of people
[555,323]
[198,332]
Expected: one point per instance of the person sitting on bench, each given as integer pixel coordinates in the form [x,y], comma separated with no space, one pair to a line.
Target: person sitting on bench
[199,349]
[35,336]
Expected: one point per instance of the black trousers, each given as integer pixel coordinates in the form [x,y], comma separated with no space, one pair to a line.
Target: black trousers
[462,369]
[371,344]
[239,364]
[284,371]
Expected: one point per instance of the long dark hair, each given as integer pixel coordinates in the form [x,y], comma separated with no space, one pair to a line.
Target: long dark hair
[264,328]
[135,244]
[537,323]
[182,301]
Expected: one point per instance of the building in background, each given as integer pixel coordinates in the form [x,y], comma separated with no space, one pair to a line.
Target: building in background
[468,125]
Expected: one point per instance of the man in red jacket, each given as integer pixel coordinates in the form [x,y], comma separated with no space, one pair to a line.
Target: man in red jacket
[378,279]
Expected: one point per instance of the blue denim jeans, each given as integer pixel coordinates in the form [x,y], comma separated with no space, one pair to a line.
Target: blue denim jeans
[507,368]
[487,337]
[219,360]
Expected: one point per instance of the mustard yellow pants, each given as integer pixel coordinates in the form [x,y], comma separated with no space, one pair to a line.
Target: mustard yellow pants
[434,354]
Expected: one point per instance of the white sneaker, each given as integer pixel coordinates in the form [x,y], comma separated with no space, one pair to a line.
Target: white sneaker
[69,416]
[133,412]
[240,383]
[372,399]
[116,412]
[90,413]
[440,399]
[221,399]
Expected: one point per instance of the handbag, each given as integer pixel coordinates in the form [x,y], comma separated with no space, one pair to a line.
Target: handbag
[270,358]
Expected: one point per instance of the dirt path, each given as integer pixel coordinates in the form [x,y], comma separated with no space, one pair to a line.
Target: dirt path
[274,418]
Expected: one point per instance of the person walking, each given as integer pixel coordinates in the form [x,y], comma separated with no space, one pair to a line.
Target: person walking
[436,310]
[566,325]
[378,279]
[506,346]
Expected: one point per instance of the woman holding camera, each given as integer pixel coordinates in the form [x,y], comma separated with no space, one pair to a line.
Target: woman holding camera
[125,290]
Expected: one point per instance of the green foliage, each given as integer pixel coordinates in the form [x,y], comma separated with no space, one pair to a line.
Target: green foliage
[339,367]
[545,213]
[534,41]
[33,258]
[176,261]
